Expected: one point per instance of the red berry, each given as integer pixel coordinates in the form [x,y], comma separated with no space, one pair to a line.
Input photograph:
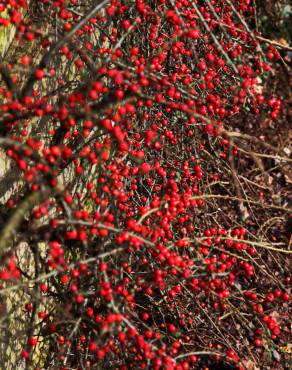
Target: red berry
[39,74]
[202,66]
[257,342]
[285,297]
[145,168]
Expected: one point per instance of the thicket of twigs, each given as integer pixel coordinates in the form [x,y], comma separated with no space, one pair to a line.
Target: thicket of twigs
[145,173]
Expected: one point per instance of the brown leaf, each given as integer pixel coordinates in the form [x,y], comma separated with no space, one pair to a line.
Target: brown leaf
[266,122]
[282,41]
[250,365]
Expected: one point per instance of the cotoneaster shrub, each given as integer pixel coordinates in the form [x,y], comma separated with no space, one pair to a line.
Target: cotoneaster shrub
[141,227]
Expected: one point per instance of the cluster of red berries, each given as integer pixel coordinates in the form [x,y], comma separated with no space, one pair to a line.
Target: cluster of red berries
[122,129]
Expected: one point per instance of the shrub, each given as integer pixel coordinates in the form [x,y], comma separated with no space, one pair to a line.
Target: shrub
[145,217]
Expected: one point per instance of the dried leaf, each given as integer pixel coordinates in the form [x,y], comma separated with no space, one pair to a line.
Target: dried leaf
[282,41]
[250,365]
[287,348]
